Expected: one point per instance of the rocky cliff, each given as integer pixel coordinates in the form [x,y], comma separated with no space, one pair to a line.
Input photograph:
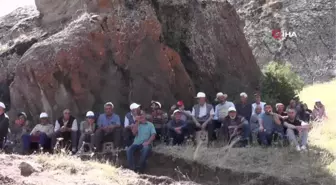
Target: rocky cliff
[79,54]
[312,52]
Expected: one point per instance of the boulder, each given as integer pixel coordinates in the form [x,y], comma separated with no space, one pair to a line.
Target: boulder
[27,168]
[95,51]
[311,53]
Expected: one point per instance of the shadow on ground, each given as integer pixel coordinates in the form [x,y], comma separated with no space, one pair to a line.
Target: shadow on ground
[239,166]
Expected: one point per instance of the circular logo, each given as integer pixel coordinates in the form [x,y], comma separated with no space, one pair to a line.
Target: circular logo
[277,34]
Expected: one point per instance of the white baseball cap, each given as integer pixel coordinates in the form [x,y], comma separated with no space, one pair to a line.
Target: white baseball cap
[221,94]
[2,105]
[109,103]
[157,103]
[231,109]
[90,114]
[176,111]
[318,100]
[201,95]
[243,94]
[43,115]
[278,104]
[134,106]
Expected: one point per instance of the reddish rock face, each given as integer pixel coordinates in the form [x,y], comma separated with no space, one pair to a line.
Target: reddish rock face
[124,55]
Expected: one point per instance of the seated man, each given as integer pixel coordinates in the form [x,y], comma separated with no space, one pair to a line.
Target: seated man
[66,127]
[4,124]
[108,127]
[41,133]
[267,127]
[221,111]
[144,132]
[177,128]
[22,126]
[203,112]
[185,114]
[296,127]
[254,123]
[87,128]
[129,121]
[236,125]
[159,118]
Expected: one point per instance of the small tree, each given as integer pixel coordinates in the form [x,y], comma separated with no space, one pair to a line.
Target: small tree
[280,83]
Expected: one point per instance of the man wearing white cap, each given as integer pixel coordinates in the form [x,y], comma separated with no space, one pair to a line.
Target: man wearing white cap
[204,113]
[66,127]
[258,102]
[108,127]
[243,107]
[42,132]
[87,129]
[177,128]
[235,125]
[159,118]
[4,124]
[129,121]
[221,109]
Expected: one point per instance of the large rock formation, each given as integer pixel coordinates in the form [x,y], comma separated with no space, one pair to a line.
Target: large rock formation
[312,52]
[84,53]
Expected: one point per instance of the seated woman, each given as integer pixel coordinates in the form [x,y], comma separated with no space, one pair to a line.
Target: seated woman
[319,112]
[41,134]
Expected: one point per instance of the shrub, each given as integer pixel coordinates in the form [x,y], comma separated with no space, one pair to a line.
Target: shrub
[280,83]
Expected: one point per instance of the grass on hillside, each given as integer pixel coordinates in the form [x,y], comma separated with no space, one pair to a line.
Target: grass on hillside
[318,164]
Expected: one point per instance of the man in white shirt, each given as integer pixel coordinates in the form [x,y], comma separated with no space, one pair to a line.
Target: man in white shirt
[41,133]
[66,127]
[258,102]
[203,113]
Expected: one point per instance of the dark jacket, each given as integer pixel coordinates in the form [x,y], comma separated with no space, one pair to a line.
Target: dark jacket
[244,110]
[4,125]
[69,125]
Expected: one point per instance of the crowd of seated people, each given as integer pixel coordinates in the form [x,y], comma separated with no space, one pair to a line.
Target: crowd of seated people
[248,121]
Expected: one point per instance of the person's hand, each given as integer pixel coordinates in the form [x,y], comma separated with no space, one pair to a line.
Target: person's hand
[146,143]
[298,128]
[178,130]
[261,129]
[204,126]
[63,129]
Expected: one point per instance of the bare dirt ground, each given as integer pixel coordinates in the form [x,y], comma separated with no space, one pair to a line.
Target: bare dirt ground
[57,170]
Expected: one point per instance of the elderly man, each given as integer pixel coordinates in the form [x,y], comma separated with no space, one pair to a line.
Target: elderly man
[221,110]
[243,107]
[235,125]
[159,118]
[254,121]
[41,133]
[87,129]
[4,124]
[258,102]
[108,127]
[144,133]
[66,127]
[203,113]
[177,128]
[268,121]
[129,121]
[295,128]
[185,114]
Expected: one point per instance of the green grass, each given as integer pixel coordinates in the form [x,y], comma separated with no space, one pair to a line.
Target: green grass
[323,136]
